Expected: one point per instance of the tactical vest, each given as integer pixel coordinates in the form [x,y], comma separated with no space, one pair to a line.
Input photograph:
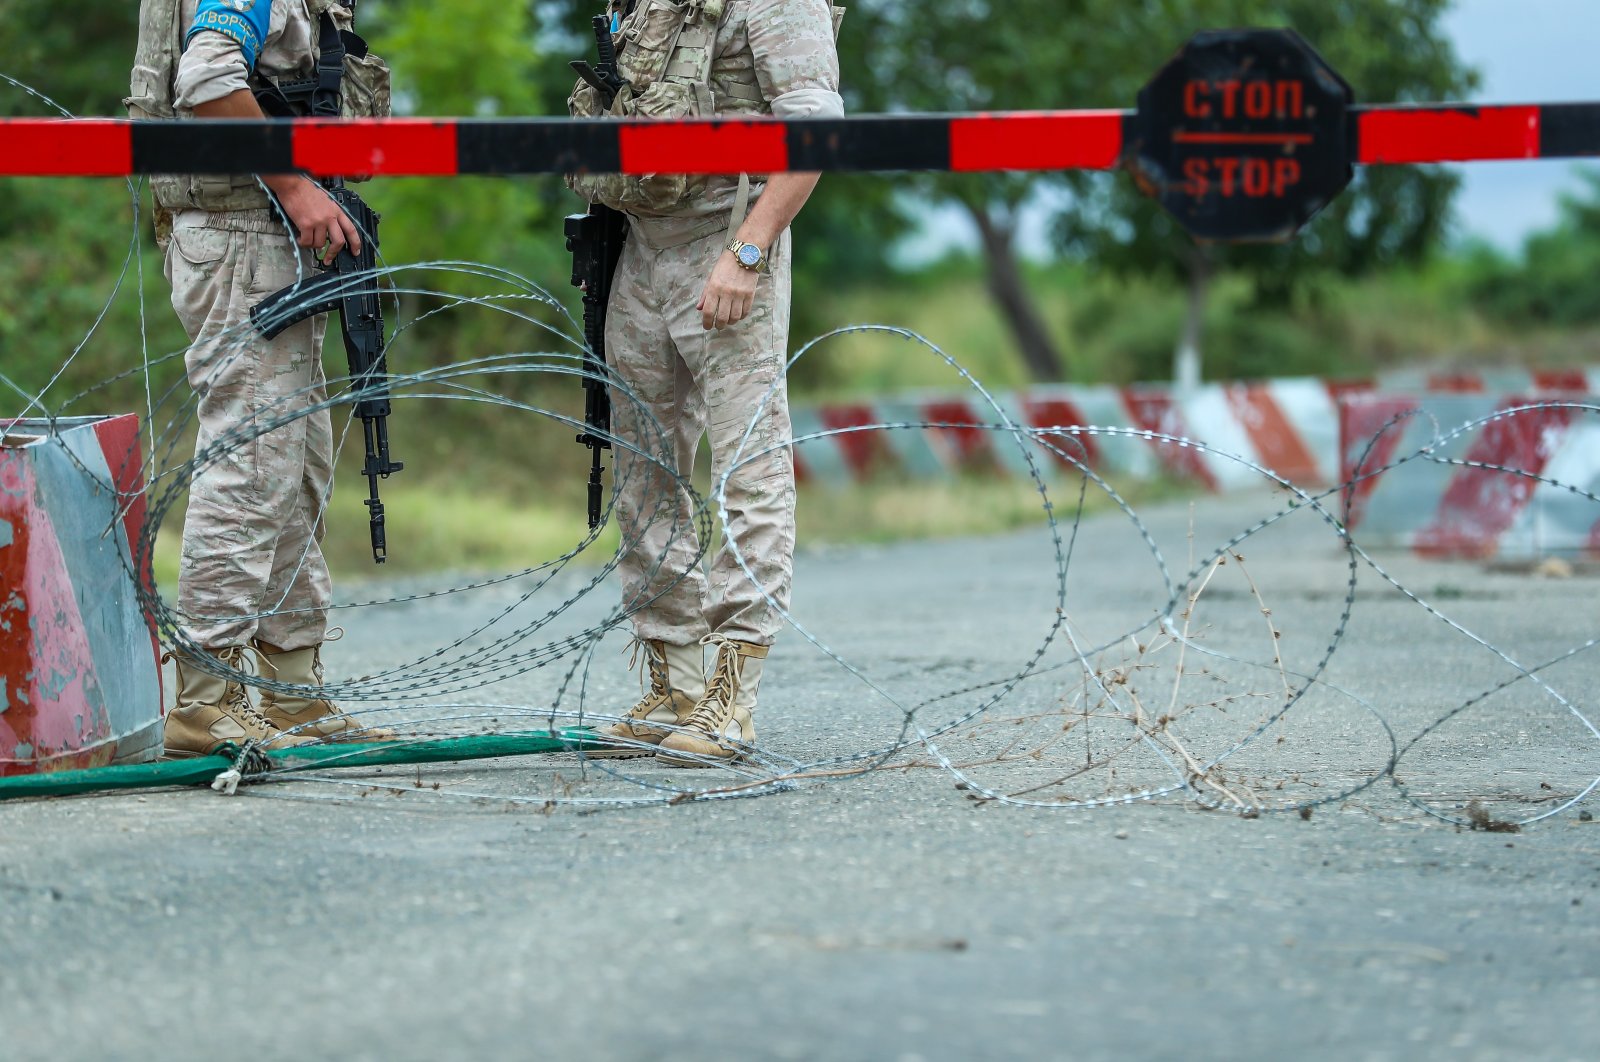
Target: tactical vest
[666,52]
[363,92]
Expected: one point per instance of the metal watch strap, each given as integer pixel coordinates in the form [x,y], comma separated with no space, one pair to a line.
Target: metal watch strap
[763,265]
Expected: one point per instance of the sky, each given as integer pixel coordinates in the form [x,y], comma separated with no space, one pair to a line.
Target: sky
[1526,51]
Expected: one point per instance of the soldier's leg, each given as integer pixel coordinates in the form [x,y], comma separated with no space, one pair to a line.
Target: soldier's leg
[662,584]
[741,373]
[237,502]
[300,590]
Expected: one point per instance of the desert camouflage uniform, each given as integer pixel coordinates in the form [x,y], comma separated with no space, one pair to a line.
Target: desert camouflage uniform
[696,382]
[254,524]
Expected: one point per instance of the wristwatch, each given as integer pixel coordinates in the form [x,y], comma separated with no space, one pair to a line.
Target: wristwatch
[749,256]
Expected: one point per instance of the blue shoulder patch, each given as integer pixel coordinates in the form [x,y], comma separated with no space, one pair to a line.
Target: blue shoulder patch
[245,21]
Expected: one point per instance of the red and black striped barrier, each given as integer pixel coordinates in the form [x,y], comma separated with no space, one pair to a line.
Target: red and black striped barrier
[961,143]
[1244,134]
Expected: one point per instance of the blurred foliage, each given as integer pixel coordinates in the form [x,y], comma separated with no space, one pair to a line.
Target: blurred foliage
[71,276]
[478,62]
[63,243]
[976,55]
[1121,328]
[79,57]
[483,60]
[1389,51]
[1553,282]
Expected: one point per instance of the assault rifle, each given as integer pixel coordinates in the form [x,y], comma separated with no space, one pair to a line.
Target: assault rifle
[605,78]
[350,286]
[595,240]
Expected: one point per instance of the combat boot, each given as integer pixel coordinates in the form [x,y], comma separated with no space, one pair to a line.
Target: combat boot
[315,718]
[212,712]
[677,681]
[721,727]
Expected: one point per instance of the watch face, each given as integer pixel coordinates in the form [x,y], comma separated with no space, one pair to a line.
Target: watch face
[749,256]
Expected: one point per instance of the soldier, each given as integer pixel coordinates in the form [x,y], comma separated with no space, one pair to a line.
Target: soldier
[253,578]
[697,329]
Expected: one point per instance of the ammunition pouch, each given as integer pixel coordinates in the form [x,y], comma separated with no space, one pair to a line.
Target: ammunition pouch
[664,53]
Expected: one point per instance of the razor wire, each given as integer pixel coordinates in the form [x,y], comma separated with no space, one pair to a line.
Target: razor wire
[1181,751]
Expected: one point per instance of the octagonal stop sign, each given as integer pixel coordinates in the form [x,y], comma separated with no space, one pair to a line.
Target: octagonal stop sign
[1243,136]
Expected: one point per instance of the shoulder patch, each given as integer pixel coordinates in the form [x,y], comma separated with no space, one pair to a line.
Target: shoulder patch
[245,21]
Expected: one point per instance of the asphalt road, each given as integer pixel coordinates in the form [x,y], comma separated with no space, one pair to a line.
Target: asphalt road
[892,915]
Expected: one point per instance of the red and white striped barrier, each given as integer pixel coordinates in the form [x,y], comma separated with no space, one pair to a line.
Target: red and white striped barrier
[1289,427]
[1491,381]
[1457,500]
[80,674]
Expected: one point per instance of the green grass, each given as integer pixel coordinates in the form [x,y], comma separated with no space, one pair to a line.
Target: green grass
[452,529]
[433,528]
[957,316]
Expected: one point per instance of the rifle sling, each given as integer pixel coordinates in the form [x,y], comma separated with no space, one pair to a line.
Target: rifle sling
[320,96]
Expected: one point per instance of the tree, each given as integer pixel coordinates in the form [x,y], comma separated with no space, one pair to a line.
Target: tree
[1553,285]
[473,58]
[974,55]
[978,55]
[1390,51]
[79,58]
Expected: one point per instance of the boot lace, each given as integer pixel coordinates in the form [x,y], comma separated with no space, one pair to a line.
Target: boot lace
[240,708]
[660,688]
[713,710]
[237,703]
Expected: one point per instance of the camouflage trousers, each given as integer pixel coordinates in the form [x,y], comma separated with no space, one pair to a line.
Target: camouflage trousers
[252,559]
[698,383]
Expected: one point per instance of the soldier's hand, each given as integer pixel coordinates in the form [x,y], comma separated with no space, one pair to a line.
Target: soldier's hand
[315,216]
[729,294]
[322,225]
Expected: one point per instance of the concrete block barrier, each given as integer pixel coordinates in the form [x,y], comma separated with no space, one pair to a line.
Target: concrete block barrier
[1473,474]
[1287,427]
[80,675]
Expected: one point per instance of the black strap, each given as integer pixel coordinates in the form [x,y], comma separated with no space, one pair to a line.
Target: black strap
[320,96]
[325,98]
